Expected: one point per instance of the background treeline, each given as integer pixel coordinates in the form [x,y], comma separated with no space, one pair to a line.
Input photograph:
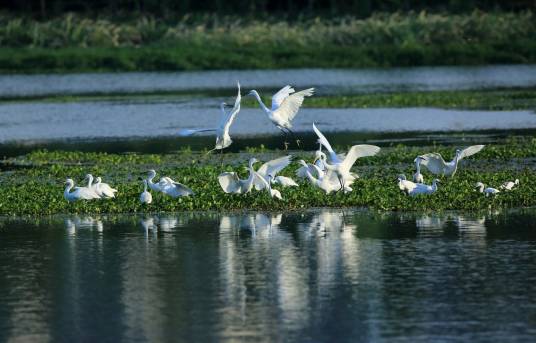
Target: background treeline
[170,8]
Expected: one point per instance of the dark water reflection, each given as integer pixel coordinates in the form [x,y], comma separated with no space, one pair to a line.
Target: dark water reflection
[322,275]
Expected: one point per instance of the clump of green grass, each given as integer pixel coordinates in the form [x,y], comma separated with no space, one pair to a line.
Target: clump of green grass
[71,42]
[38,188]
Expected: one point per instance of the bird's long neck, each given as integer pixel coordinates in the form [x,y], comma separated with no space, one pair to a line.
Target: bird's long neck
[481,188]
[145,185]
[263,106]
[418,167]
[150,178]
[89,181]
[310,176]
[434,185]
[68,189]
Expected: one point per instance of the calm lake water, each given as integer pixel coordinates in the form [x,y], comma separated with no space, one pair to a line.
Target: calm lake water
[313,276]
[326,80]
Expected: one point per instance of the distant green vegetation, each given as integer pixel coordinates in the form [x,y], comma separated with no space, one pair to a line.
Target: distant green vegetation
[492,99]
[73,43]
[33,184]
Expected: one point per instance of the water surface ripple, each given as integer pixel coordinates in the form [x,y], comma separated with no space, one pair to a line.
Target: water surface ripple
[321,275]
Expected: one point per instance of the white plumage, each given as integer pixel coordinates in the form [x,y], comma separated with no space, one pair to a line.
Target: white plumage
[231,183]
[435,163]
[79,193]
[145,196]
[486,190]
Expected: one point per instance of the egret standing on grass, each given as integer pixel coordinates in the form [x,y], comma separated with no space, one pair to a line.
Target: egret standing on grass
[167,186]
[223,139]
[486,190]
[267,184]
[231,183]
[509,185]
[342,167]
[104,190]
[272,168]
[145,197]
[405,185]
[421,188]
[79,193]
[285,105]
[435,163]
[417,177]
[327,182]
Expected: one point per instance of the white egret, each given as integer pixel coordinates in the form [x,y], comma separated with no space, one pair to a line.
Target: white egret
[145,197]
[157,187]
[267,184]
[231,183]
[404,184]
[223,139]
[79,193]
[91,186]
[272,168]
[175,189]
[319,160]
[104,190]
[509,185]
[417,177]
[435,163]
[342,167]
[421,188]
[486,190]
[285,105]
[328,182]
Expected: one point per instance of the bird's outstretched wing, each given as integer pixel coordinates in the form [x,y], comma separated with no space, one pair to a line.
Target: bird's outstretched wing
[358,151]
[189,132]
[292,103]
[323,140]
[181,190]
[236,108]
[473,149]
[281,95]
[229,182]
[434,162]
[271,168]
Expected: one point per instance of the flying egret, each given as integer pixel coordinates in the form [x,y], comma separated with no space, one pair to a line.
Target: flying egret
[145,197]
[285,105]
[79,193]
[223,139]
[104,190]
[421,188]
[272,168]
[404,184]
[417,177]
[509,185]
[231,183]
[435,163]
[327,182]
[342,167]
[175,189]
[486,190]
[267,184]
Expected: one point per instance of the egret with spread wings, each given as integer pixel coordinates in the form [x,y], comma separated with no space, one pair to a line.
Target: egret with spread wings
[223,139]
[231,183]
[285,105]
[341,167]
[435,163]
[272,168]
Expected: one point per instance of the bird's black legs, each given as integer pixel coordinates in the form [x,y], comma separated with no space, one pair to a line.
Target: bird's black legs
[294,137]
[285,134]
[221,158]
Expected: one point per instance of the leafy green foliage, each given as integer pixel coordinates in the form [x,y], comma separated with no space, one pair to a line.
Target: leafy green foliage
[33,184]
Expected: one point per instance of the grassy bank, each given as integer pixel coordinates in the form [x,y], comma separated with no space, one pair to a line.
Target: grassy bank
[72,43]
[33,184]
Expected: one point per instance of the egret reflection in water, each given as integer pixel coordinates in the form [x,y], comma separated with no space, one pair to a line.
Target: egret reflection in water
[314,275]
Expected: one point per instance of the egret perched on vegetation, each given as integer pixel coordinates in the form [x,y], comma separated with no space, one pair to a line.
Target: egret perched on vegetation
[509,185]
[79,193]
[328,182]
[285,105]
[421,188]
[405,185]
[272,168]
[223,139]
[435,163]
[267,184]
[167,186]
[231,183]
[486,190]
[104,190]
[342,167]
[417,177]
[317,168]
[145,196]
[175,189]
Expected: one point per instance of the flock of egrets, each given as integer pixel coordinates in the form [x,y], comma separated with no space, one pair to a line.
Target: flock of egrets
[329,173]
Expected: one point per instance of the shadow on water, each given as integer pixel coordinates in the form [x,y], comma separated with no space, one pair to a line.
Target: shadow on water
[318,275]
[160,145]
